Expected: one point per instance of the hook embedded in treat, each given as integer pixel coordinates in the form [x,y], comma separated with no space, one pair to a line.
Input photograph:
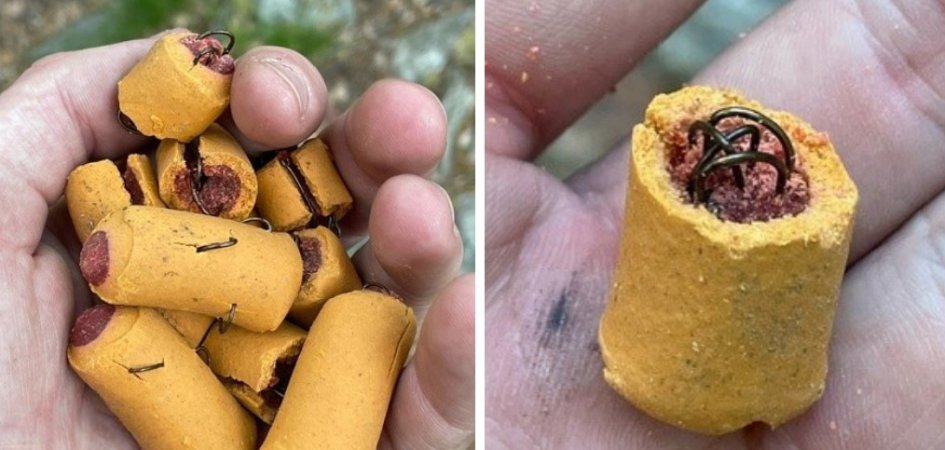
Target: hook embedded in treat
[128,124]
[334,226]
[734,160]
[767,122]
[225,324]
[715,141]
[229,46]
[217,245]
[200,349]
[266,224]
[206,51]
[136,370]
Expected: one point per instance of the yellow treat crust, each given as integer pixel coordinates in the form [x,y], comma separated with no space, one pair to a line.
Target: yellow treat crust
[154,261]
[181,405]
[216,148]
[343,380]
[168,97]
[279,199]
[334,276]
[93,191]
[712,325]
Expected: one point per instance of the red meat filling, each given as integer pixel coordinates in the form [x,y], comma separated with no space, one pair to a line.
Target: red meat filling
[759,200]
[218,192]
[93,259]
[90,324]
[216,60]
[311,251]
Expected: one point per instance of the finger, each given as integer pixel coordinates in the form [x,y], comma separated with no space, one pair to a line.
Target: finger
[885,387]
[549,61]
[395,128]
[415,247]
[867,74]
[278,98]
[434,404]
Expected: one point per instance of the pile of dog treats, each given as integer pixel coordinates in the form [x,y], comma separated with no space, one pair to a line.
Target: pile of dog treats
[227,291]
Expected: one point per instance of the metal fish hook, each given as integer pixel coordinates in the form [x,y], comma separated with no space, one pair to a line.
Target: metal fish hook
[229,46]
[266,224]
[767,122]
[736,159]
[217,245]
[128,124]
[225,324]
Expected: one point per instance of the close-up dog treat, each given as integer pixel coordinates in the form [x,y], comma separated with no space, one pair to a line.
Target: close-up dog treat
[154,383]
[327,271]
[742,216]
[301,187]
[180,88]
[97,189]
[179,260]
[341,387]
[254,367]
[211,175]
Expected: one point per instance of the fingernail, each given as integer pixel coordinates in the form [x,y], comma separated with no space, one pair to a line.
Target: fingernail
[293,80]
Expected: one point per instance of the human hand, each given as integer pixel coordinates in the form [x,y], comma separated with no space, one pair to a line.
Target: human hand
[63,112]
[867,73]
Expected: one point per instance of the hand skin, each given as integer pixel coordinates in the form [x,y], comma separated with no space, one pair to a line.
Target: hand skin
[62,113]
[871,74]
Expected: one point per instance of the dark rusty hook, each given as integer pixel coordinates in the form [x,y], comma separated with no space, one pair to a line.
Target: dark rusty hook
[229,45]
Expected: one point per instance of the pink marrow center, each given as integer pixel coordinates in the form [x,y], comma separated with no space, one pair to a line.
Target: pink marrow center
[311,251]
[216,60]
[90,324]
[759,201]
[93,260]
[218,191]
[133,186]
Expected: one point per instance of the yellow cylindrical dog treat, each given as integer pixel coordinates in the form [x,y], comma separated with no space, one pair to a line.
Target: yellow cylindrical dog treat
[256,364]
[140,181]
[217,166]
[326,272]
[97,189]
[721,315]
[155,384]
[169,96]
[299,186]
[192,262]
[342,384]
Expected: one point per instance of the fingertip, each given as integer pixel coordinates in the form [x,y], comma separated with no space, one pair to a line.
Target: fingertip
[396,127]
[413,233]
[277,98]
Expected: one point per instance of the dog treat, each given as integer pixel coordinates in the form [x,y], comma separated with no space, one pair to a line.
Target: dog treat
[96,189]
[326,272]
[255,367]
[180,87]
[302,187]
[192,262]
[343,380]
[735,241]
[211,174]
[153,381]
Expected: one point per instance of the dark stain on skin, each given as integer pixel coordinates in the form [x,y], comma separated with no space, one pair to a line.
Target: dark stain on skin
[555,323]
[559,314]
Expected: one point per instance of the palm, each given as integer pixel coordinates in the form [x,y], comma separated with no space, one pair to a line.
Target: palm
[550,259]
[46,401]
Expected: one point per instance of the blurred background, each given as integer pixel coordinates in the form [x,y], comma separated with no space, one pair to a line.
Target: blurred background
[352,42]
[713,28]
